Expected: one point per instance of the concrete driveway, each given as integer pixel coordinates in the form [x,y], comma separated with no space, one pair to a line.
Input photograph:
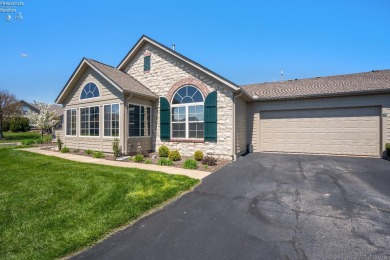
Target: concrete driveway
[269,206]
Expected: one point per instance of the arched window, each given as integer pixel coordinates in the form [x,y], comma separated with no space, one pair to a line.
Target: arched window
[187,113]
[90,90]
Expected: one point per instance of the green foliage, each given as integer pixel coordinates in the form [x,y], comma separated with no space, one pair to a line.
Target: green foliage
[138,158]
[165,162]
[98,154]
[88,152]
[206,167]
[51,207]
[209,161]
[163,151]
[10,136]
[28,142]
[174,155]
[39,141]
[116,148]
[6,125]
[198,155]
[47,139]
[65,150]
[59,144]
[387,146]
[19,124]
[190,164]
[147,161]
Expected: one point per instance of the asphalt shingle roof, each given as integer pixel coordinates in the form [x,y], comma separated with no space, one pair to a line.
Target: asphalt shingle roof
[366,82]
[122,79]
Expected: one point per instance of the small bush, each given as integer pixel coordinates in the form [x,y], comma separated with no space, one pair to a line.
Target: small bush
[28,142]
[39,141]
[138,158]
[98,154]
[19,124]
[206,167]
[198,155]
[59,144]
[174,156]
[47,139]
[65,150]
[147,161]
[163,151]
[116,148]
[387,146]
[209,161]
[190,164]
[88,152]
[165,162]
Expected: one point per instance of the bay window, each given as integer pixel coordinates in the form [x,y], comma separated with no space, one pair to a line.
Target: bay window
[111,120]
[71,116]
[139,120]
[89,121]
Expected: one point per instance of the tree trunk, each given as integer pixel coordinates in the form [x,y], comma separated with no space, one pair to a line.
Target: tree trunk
[1,127]
[42,133]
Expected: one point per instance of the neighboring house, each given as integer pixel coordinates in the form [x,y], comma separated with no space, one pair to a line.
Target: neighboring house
[156,96]
[27,107]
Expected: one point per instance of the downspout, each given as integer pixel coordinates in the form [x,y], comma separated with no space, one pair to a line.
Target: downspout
[234,148]
[126,124]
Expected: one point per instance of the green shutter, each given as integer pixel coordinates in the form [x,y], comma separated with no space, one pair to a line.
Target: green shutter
[165,119]
[210,117]
[146,63]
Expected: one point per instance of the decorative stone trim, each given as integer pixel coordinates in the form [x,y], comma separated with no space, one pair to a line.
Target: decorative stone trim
[186,140]
[147,53]
[188,81]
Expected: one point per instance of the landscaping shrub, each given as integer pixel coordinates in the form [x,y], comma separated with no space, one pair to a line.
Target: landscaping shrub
[174,156]
[209,161]
[138,158]
[47,139]
[65,150]
[147,161]
[5,126]
[165,162]
[88,152]
[59,144]
[198,155]
[387,147]
[116,148]
[98,154]
[190,164]
[39,141]
[163,151]
[19,124]
[28,142]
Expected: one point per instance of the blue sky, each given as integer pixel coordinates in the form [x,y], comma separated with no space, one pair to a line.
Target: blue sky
[244,41]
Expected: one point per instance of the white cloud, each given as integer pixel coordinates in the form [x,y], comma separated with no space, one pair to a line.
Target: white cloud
[24,55]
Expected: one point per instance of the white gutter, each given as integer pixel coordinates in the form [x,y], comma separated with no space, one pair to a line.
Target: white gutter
[234,143]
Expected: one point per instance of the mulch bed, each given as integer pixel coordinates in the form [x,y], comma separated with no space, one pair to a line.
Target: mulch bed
[153,157]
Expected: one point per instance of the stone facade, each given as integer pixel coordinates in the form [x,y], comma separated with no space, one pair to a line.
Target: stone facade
[166,75]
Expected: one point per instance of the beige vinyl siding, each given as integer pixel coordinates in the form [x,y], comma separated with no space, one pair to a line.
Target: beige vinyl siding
[382,101]
[241,126]
[108,95]
[135,144]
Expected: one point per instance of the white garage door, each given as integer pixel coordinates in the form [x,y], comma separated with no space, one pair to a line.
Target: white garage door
[347,131]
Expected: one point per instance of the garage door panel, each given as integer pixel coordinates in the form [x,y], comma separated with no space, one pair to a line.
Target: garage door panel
[350,131]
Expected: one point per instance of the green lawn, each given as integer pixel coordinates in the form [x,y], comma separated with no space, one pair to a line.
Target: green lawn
[10,137]
[51,207]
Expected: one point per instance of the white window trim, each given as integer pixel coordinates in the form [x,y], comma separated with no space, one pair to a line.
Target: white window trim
[100,130]
[151,121]
[66,121]
[187,122]
[100,93]
[119,133]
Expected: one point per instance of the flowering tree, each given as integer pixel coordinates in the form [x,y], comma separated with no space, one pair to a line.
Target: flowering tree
[45,119]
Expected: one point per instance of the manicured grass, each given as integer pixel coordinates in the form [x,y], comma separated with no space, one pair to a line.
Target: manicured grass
[10,137]
[51,207]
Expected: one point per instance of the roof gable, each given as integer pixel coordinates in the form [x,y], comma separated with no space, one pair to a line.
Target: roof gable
[144,39]
[120,80]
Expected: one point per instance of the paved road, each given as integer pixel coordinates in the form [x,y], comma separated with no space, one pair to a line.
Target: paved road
[269,206]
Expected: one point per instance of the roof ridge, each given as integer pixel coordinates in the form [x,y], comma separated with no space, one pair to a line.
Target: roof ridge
[318,77]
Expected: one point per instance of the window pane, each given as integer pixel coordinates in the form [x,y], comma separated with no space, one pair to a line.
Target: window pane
[197,97]
[134,120]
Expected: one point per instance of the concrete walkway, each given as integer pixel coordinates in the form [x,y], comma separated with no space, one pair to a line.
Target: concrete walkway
[150,167]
